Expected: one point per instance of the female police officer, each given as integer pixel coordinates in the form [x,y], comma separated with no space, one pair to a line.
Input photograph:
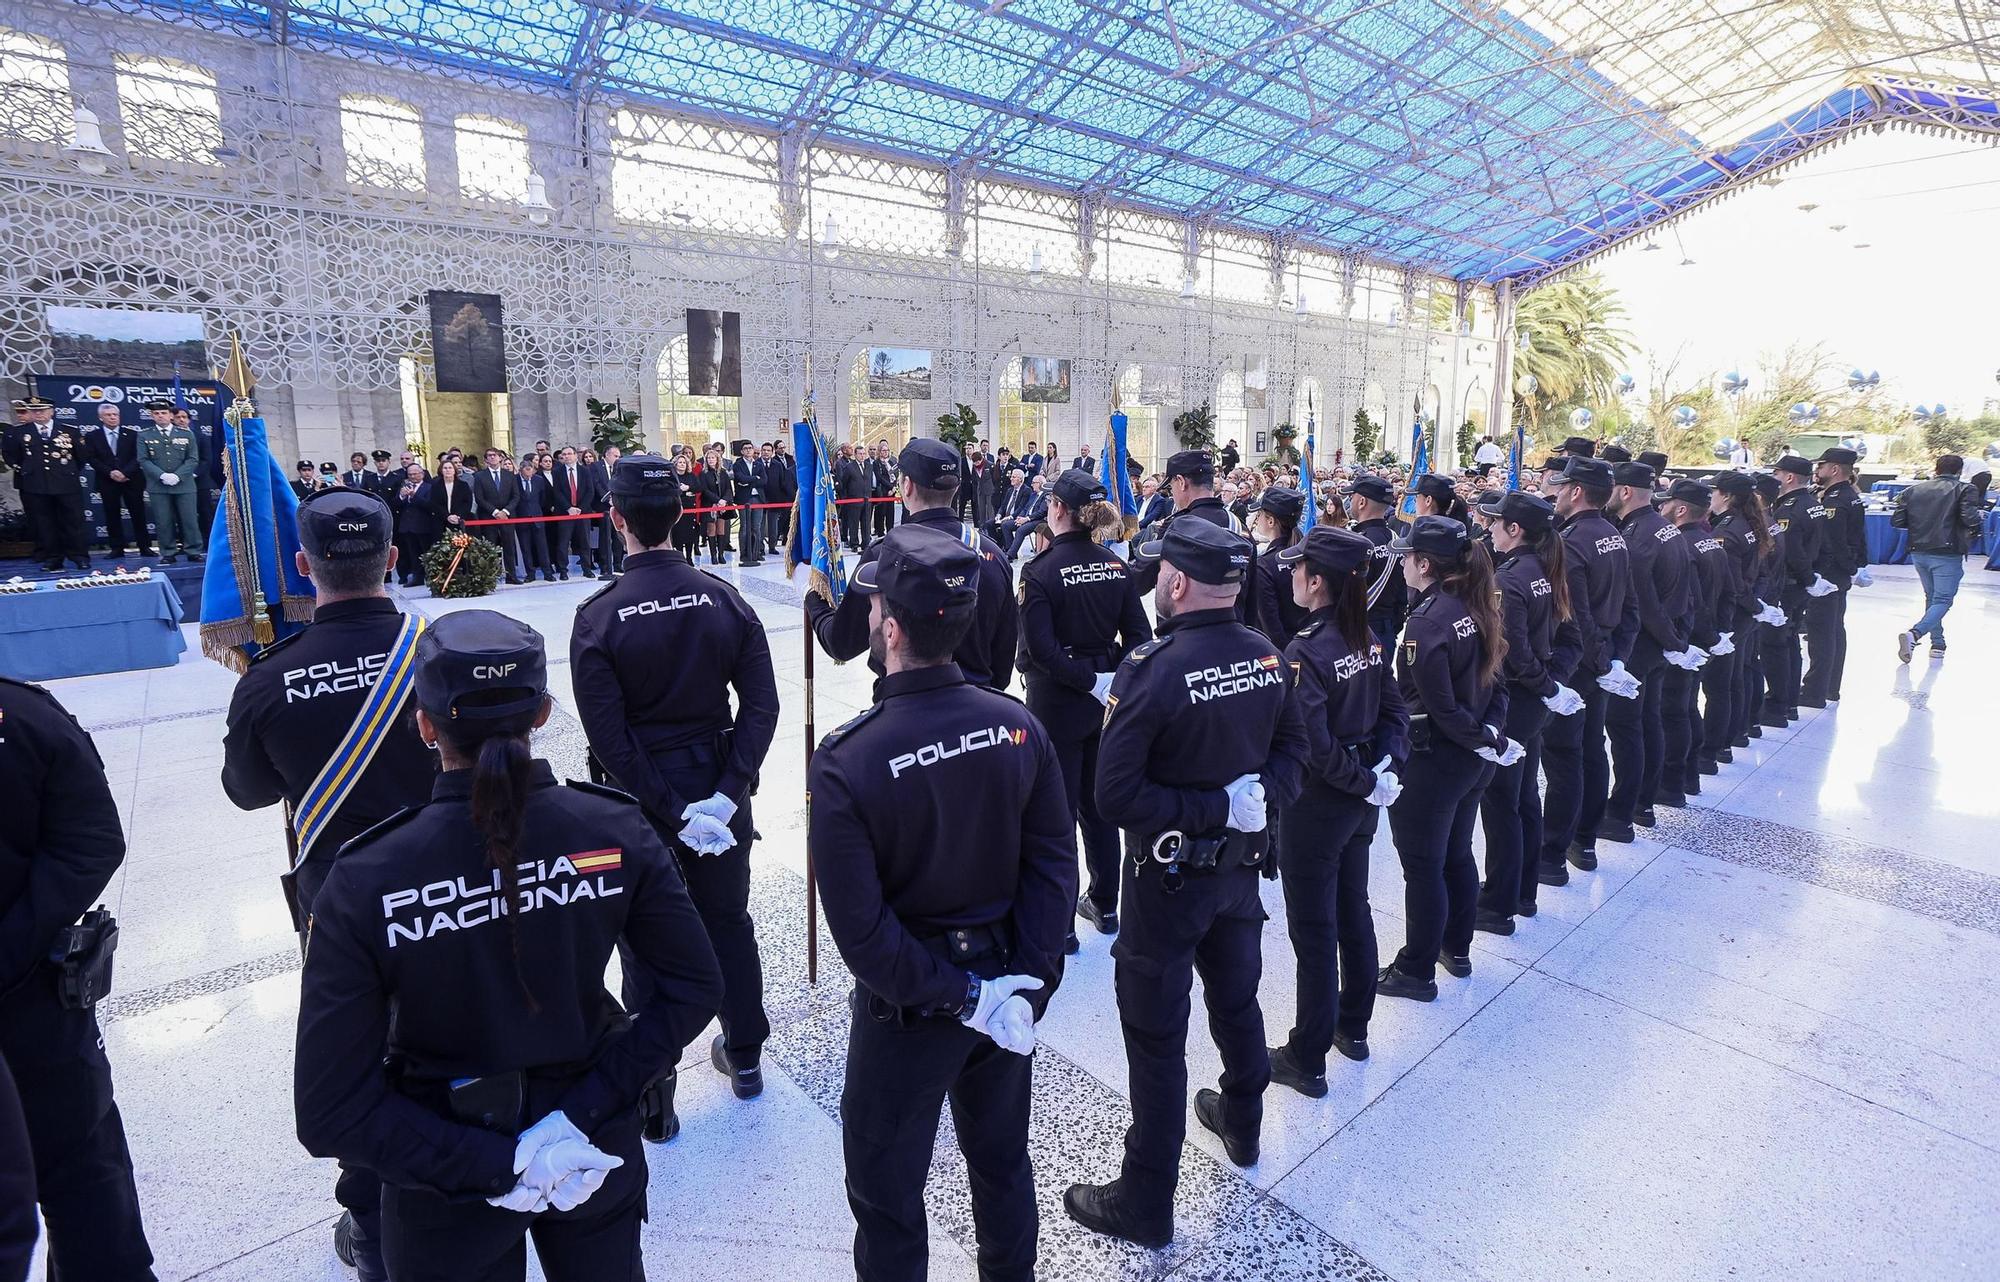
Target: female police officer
[1274,608]
[1080,617]
[1353,716]
[1448,666]
[454,989]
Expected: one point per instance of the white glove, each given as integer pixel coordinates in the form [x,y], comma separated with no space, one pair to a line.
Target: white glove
[1246,804]
[1564,702]
[555,1126]
[170,478]
[1619,682]
[530,1196]
[524,1198]
[1769,614]
[718,807]
[1726,644]
[1387,786]
[1819,586]
[1100,689]
[1005,1016]
[555,1164]
[707,835]
[574,1189]
[1863,579]
[1688,660]
[1509,753]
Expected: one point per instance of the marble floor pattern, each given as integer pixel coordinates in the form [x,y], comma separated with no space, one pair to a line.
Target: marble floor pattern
[1758,1042]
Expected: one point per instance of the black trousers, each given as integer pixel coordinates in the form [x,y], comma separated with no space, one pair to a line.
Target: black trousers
[1721,684]
[55,522]
[428,1238]
[1579,775]
[507,539]
[534,544]
[1633,728]
[882,516]
[18,1227]
[567,538]
[611,546]
[1826,644]
[1099,846]
[1440,798]
[1750,691]
[83,1170]
[853,514]
[1213,924]
[720,888]
[122,503]
[1326,836]
[899,1073]
[410,549]
[1511,801]
[1782,661]
[1666,775]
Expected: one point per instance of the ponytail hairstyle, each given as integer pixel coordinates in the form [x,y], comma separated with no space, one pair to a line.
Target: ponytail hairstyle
[1548,546]
[1350,603]
[1749,508]
[1101,518]
[500,782]
[1470,579]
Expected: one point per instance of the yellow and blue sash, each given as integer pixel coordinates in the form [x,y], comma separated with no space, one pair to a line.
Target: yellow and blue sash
[322,800]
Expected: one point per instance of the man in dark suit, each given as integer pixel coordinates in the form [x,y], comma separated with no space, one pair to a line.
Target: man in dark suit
[1027,507]
[781,485]
[748,474]
[576,495]
[1154,503]
[850,483]
[112,450]
[535,497]
[1085,461]
[881,489]
[495,493]
[356,475]
[610,544]
[1033,460]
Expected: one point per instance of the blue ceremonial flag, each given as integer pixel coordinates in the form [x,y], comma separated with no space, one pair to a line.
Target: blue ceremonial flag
[252,593]
[1310,517]
[180,397]
[815,535]
[1421,464]
[1514,457]
[1112,474]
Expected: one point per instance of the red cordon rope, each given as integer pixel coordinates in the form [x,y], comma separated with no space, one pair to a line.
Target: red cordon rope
[686,511]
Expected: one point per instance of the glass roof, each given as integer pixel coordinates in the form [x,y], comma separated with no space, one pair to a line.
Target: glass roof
[1466,138]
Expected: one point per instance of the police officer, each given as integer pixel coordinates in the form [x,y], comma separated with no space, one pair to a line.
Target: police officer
[454,989]
[1733,522]
[1190,482]
[48,457]
[1747,516]
[1274,522]
[1711,601]
[1370,500]
[665,733]
[1573,751]
[1542,640]
[1802,519]
[929,473]
[1654,625]
[1200,735]
[947,865]
[1843,561]
[289,718]
[59,848]
[1356,730]
[1080,617]
[170,456]
[1449,670]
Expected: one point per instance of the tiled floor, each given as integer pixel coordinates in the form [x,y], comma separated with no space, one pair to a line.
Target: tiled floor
[1758,1044]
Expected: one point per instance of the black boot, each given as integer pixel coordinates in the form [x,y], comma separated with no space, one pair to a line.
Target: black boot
[1102,1207]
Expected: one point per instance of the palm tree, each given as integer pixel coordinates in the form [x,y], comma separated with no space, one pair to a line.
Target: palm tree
[1574,346]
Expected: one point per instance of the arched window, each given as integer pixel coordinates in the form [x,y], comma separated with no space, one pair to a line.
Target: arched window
[34,89]
[492,159]
[384,142]
[1232,421]
[693,421]
[170,109]
[1020,422]
[1142,422]
[871,421]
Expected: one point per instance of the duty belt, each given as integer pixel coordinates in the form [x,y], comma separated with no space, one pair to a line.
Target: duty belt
[986,951]
[1181,855]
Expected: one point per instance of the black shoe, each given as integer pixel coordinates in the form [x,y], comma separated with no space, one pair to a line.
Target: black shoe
[748,1083]
[1644,817]
[1526,908]
[1756,731]
[1740,741]
[1105,919]
[1101,1208]
[1775,720]
[1610,831]
[1285,1071]
[1208,1111]
[1713,765]
[1676,799]
[1355,1048]
[195,557]
[1072,945]
[1492,922]
[1549,874]
[658,1122]
[147,552]
[1583,857]
[1457,965]
[52,567]
[1394,983]
[1791,715]
[514,580]
[564,576]
[358,1251]
[1812,703]
[114,554]
[170,559]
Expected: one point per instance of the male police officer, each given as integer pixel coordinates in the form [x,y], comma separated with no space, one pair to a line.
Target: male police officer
[1802,519]
[1843,562]
[59,848]
[319,722]
[948,870]
[48,457]
[1654,626]
[930,473]
[664,732]
[1200,736]
[1190,481]
[1369,501]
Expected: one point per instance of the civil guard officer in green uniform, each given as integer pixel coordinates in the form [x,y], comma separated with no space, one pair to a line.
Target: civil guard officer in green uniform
[170,457]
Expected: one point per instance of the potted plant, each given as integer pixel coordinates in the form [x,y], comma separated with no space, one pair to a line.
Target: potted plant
[1195,428]
[1285,453]
[960,428]
[612,424]
[1365,434]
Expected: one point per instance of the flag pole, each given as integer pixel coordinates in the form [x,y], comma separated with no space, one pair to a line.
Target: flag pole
[806,638]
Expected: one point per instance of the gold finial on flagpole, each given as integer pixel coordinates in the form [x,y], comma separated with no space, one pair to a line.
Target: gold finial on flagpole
[237,376]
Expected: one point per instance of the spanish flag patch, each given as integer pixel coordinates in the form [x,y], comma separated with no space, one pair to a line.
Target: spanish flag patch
[598,861]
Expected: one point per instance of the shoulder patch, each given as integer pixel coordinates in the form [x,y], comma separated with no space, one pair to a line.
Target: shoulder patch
[369,834]
[846,728]
[1146,649]
[601,790]
[1409,649]
[278,645]
[600,592]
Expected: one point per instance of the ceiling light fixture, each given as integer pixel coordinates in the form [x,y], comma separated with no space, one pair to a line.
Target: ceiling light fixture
[537,202]
[829,240]
[1188,287]
[1035,261]
[86,144]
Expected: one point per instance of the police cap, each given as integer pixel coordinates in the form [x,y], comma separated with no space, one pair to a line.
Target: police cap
[1436,488]
[1077,487]
[922,570]
[1329,548]
[1580,446]
[1736,484]
[645,476]
[1202,550]
[20,404]
[1655,460]
[341,524]
[1584,470]
[1767,485]
[1637,475]
[1281,501]
[37,403]
[1615,454]
[480,665]
[1839,455]
[381,456]
[1195,465]
[158,403]
[1688,490]
[1794,464]
[1443,537]
[930,464]
[1529,511]
[1556,462]
[1371,487]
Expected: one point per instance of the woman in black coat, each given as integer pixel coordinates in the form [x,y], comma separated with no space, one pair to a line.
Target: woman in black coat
[450,498]
[687,530]
[712,483]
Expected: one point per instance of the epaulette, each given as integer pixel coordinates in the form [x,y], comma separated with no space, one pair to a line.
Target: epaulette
[369,834]
[593,596]
[602,790]
[1146,649]
[278,645]
[846,728]
[1306,631]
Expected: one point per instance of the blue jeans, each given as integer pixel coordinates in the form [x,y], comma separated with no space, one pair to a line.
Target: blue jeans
[1940,573]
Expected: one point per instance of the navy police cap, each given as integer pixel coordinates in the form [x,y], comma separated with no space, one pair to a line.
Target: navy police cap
[1444,537]
[1076,487]
[644,476]
[930,464]
[481,666]
[1202,550]
[922,570]
[342,524]
[1331,549]
[1518,507]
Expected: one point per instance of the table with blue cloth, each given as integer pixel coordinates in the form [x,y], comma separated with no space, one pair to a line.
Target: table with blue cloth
[1887,545]
[1991,534]
[77,632]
